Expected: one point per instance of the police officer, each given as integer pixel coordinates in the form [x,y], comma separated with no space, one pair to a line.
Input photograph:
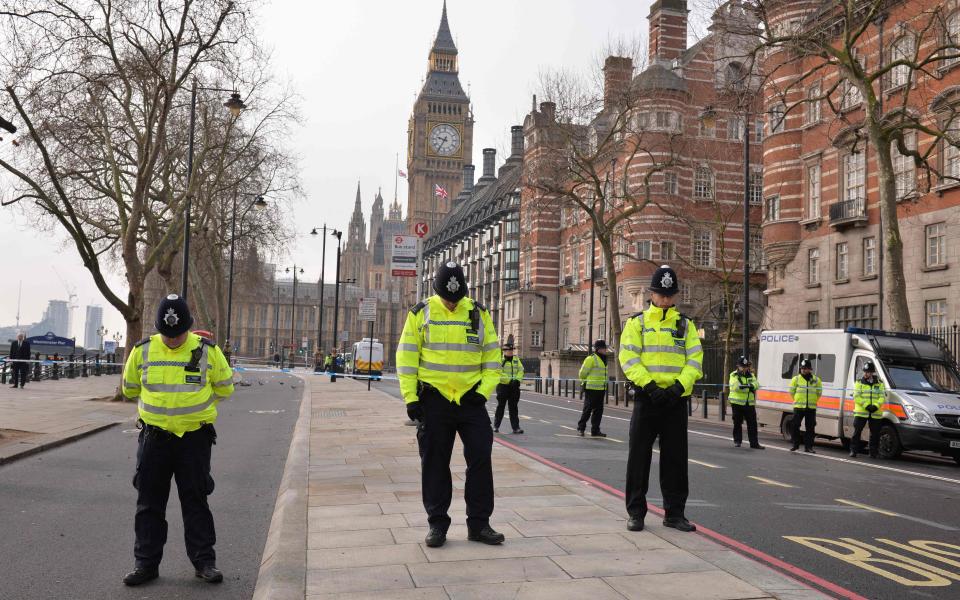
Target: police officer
[743,386]
[868,398]
[661,355]
[508,390]
[593,379]
[805,389]
[178,377]
[448,363]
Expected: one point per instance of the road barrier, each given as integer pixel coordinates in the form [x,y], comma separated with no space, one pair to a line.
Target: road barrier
[58,367]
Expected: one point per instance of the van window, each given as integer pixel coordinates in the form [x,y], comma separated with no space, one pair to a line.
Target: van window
[824,365]
[789,368]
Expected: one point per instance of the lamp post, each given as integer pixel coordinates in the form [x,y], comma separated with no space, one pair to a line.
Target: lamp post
[746,233]
[236,106]
[276,327]
[259,203]
[293,312]
[336,293]
[102,333]
[323,265]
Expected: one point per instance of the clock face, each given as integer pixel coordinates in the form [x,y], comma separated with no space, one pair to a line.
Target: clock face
[445,139]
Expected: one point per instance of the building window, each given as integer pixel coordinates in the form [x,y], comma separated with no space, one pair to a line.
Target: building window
[566,338]
[813,319]
[620,296]
[643,250]
[850,95]
[772,209]
[813,266]
[951,153]
[813,105]
[901,49]
[562,269]
[936,236]
[686,293]
[703,248]
[536,339]
[583,302]
[703,182]
[756,187]
[670,185]
[952,38]
[603,300]
[756,251]
[667,121]
[758,131]
[666,250]
[778,116]
[843,261]
[869,256]
[813,191]
[583,331]
[530,308]
[734,128]
[936,315]
[708,126]
[858,315]
[575,263]
[903,167]
[566,305]
[853,175]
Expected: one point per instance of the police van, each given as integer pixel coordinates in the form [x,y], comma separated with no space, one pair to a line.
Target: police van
[922,408]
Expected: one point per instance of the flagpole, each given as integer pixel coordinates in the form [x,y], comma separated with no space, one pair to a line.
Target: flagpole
[396,177]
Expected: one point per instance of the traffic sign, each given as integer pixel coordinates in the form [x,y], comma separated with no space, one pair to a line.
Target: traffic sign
[368,309]
[421,228]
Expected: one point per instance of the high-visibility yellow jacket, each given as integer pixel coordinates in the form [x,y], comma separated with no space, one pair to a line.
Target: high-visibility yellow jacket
[867,394]
[805,393]
[593,373]
[740,392]
[511,370]
[178,388]
[449,350]
[657,346]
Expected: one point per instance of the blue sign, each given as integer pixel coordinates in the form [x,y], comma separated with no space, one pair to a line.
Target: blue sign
[52,340]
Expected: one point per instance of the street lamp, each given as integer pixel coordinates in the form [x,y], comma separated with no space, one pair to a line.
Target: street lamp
[102,333]
[336,292]
[235,106]
[293,312]
[259,203]
[323,265]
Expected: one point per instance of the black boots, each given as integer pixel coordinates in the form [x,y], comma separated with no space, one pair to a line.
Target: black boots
[140,575]
[635,524]
[680,524]
[210,574]
[486,535]
[435,538]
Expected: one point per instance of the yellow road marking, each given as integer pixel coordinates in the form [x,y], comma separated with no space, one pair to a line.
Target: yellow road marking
[705,464]
[577,436]
[770,481]
[867,507]
[525,417]
[569,428]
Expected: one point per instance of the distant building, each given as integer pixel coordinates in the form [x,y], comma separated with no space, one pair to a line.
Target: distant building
[91,339]
[56,319]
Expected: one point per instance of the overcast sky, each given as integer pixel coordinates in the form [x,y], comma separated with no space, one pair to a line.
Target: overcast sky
[357,66]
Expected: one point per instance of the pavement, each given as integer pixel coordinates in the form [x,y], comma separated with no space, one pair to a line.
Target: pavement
[48,413]
[356,488]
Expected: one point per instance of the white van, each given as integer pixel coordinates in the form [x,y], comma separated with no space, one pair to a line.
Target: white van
[922,411]
[368,358]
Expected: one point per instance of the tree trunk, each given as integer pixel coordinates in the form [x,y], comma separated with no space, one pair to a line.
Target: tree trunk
[894,292]
[613,298]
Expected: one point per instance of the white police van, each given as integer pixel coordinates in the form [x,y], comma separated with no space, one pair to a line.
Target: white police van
[922,411]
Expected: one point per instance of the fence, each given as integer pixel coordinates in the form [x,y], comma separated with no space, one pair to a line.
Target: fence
[63,367]
[948,338]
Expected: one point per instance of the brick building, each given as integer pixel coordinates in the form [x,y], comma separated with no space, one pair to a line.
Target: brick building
[686,100]
[822,222]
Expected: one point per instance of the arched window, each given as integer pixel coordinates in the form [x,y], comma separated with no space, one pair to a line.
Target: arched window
[901,49]
[735,75]
[951,38]
[703,182]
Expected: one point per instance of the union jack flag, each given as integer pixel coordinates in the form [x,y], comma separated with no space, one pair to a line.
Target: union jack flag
[402,173]
[439,191]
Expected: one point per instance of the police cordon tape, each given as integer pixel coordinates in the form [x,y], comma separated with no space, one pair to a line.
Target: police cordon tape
[90,361]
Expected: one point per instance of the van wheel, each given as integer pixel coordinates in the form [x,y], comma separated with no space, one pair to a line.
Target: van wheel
[889,446]
[785,426]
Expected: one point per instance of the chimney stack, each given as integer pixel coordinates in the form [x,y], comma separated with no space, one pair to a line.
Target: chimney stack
[468,178]
[668,30]
[489,163]
[549,110]
[516,141]
[617,74]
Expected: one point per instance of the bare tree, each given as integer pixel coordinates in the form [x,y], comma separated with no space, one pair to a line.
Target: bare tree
[874,79]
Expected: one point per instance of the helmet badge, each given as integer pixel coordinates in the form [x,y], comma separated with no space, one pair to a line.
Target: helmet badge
[453,285]
[171,317]
[666,281]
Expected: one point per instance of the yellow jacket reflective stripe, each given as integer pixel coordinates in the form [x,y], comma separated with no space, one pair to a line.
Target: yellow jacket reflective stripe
[440,348]
[651,351]
[593,373]
[170,396]
[866,394]
[740,396]
[805,393]
[512,370]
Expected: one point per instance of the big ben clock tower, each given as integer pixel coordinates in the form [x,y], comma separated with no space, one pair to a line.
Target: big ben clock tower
[440,134]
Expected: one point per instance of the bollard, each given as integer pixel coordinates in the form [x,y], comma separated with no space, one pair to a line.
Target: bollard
[96,366]
[723,407]
[83,366]
[71,366]
[56,368]
[3,373]
[704,404]
[36,367]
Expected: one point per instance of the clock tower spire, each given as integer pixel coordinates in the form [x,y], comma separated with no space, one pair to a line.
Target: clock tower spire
[439,133]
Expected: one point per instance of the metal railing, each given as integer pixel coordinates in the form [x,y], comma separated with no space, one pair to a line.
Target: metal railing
[56,367]
[948,338]
[848,210]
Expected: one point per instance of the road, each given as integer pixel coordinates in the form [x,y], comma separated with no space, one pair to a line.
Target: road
[67,514]
[882,529]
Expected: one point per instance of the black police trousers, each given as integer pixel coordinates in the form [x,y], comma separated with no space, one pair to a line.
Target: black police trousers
[741,413]
[592,410]
[669,423]
[807,416]
[160,456]
[858,425]
[508,394]
[442,421]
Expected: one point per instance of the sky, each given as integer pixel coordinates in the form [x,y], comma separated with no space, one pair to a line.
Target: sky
[357,67]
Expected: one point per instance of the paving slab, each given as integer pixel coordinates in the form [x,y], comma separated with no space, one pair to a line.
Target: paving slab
[383,579]
[705,585]
[582,589]
[366,556]
[536,568]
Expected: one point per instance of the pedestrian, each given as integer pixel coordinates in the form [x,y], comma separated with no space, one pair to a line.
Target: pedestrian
[508,390]
[19,352]
[448,363]
[178,377]
[743,386]
[661,355]
[593,382]
[317,360]
[806,389]
[868,398]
